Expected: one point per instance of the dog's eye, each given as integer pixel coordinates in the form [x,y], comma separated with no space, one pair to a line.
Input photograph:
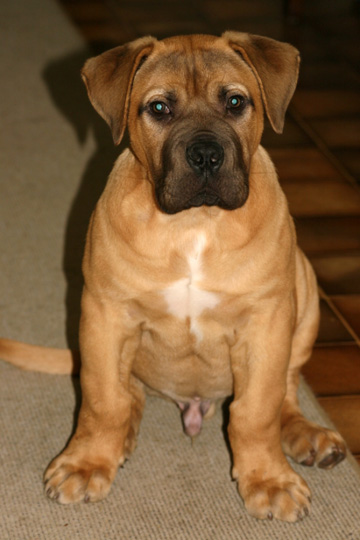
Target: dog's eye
[235,102]
[159,108]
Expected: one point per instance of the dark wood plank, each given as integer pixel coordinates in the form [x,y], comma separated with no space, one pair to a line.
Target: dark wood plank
[327,234]
[334,371]
[349,306]
[331,330]
[338,273]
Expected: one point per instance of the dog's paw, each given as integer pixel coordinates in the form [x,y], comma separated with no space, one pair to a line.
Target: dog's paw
[287,499]
[71,481]
[309,444]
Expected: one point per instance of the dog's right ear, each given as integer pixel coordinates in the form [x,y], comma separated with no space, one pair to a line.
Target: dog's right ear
[108,79]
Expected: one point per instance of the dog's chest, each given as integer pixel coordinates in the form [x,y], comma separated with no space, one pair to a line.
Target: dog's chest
[185,298]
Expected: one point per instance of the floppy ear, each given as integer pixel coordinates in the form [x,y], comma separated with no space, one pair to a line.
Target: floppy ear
[108,79]
[276,68]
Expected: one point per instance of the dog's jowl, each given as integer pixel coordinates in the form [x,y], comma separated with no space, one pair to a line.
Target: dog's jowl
[194,285]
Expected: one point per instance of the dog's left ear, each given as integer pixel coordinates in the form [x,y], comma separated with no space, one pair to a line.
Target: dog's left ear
[108,79]
[276,68]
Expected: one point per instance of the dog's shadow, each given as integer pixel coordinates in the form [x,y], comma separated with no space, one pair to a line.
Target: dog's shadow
[63,81]
[68,93]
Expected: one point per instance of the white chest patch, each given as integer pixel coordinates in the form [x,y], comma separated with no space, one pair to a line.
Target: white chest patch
[184,297]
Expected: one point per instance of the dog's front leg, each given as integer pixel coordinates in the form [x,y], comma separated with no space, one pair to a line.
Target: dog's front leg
[112,403]
[268,485]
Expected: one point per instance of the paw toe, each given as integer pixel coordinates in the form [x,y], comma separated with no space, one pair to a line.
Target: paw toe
[286,501]
[310,459]
[335,456]
[68,483]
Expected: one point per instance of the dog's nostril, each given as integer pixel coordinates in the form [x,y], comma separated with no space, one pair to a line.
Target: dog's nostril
[199,160]
[215,158]
[205,156]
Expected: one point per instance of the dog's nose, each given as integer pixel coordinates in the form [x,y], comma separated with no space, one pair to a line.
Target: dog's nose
[205,157]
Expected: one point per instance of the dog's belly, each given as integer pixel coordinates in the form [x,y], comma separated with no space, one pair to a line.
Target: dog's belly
[175,363]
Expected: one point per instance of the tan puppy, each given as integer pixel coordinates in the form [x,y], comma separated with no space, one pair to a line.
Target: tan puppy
[194,285]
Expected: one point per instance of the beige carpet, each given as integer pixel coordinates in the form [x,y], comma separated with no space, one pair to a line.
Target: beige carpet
[54,157]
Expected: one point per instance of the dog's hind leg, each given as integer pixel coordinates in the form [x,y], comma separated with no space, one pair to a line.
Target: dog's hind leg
[137,407]
[306,442]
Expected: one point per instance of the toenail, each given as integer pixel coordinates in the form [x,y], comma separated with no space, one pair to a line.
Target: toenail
[270,516]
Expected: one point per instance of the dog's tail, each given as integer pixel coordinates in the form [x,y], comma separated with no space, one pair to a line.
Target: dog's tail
[35,358]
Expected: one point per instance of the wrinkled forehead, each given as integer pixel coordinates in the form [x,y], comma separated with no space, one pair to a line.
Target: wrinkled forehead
[194,70]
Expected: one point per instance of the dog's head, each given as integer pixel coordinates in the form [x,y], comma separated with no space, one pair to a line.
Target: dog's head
[194,107]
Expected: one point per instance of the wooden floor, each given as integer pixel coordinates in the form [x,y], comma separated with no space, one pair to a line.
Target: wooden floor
[317,157]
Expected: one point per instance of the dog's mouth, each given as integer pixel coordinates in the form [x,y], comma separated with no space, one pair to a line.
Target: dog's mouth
[205,197]
[174,203]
